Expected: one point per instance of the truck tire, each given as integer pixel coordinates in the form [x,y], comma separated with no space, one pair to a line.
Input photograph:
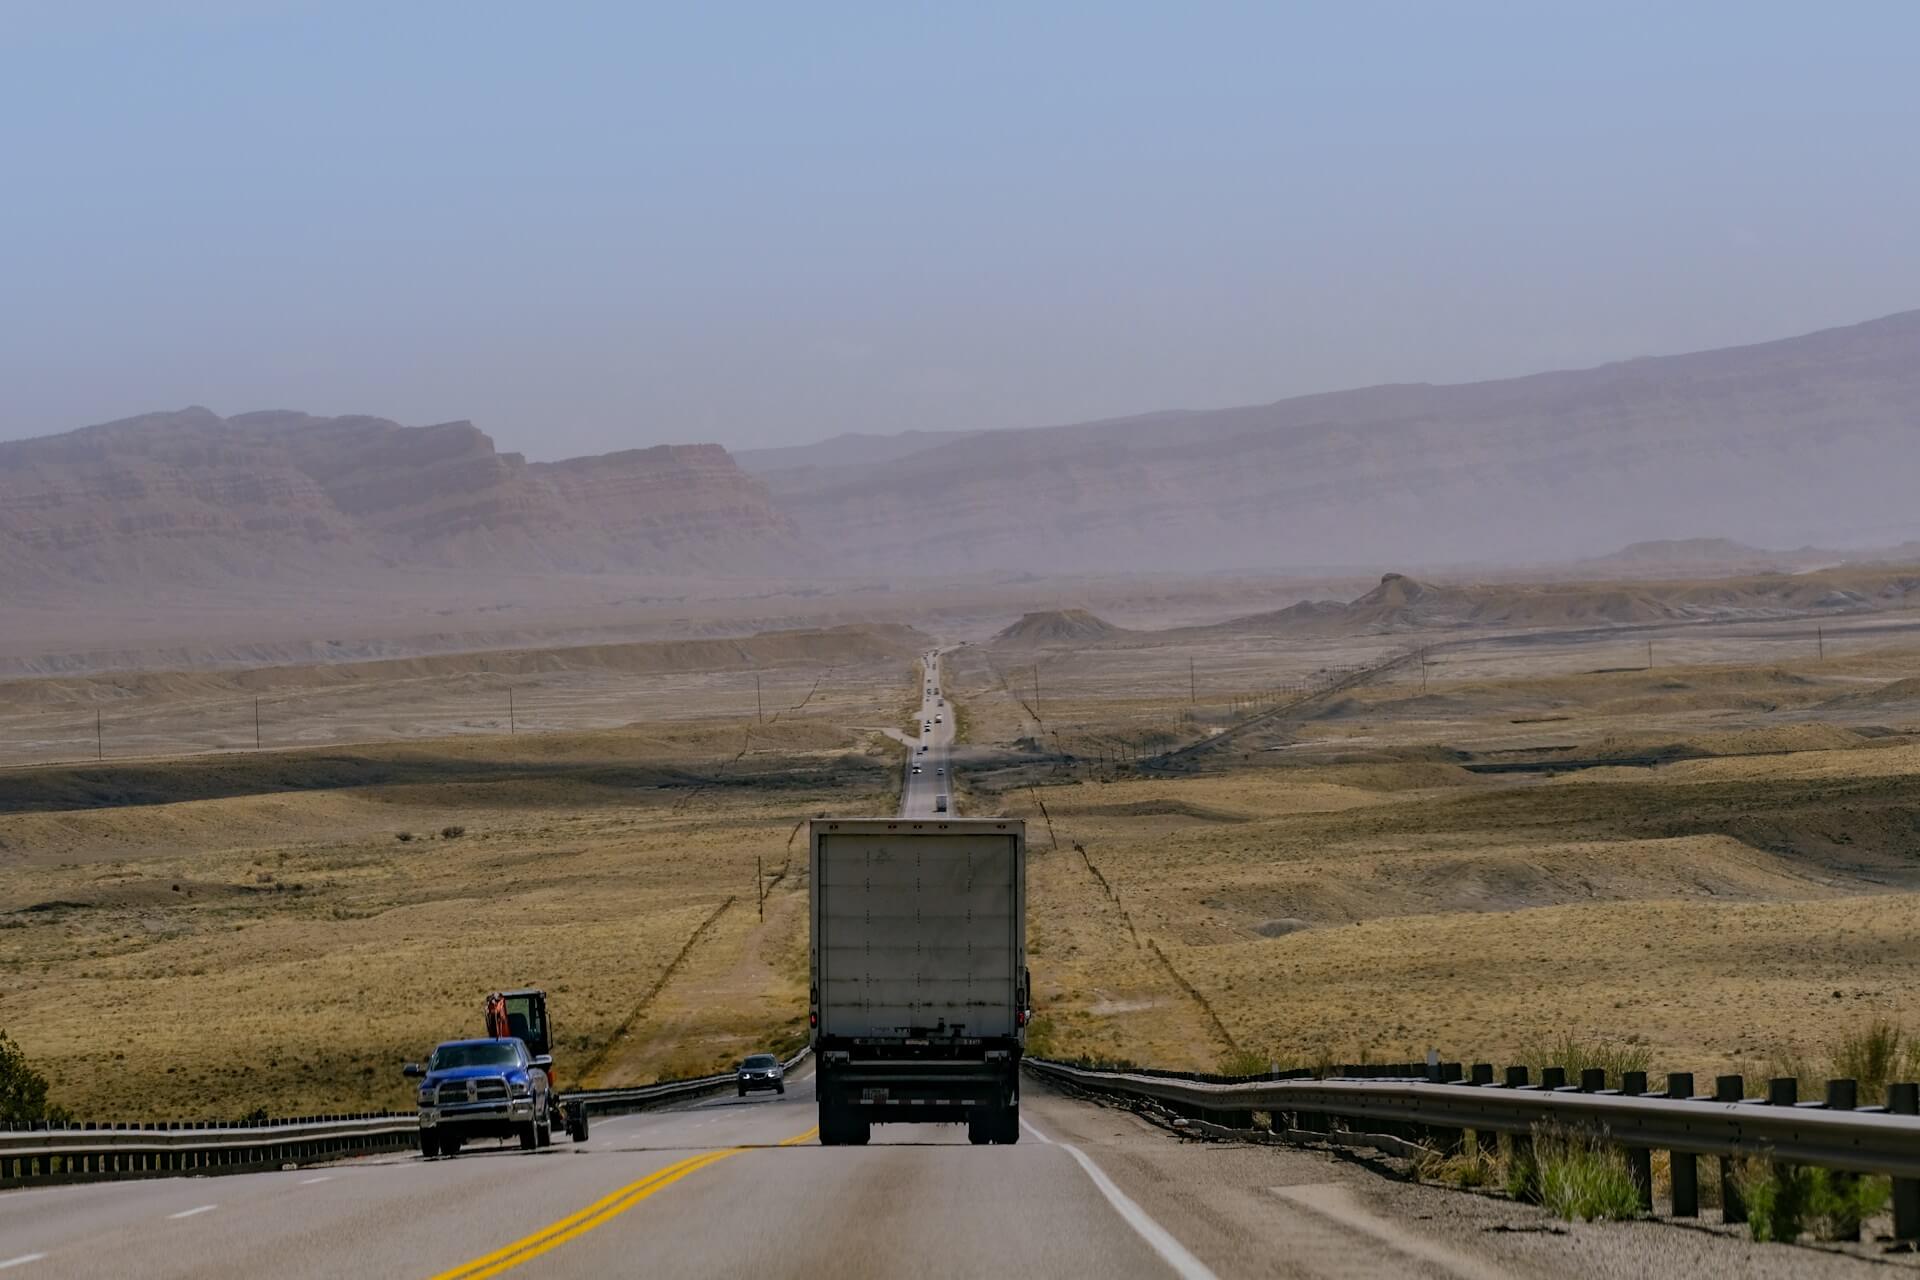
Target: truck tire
[450,1144]
[577,1123]
[544,1136]
[429,1145]
[980,1126]
[1009,1125]
[529,1136]
[830,1125]
[859,1130]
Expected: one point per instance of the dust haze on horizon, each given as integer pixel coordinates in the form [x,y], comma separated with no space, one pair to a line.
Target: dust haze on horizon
[615,228]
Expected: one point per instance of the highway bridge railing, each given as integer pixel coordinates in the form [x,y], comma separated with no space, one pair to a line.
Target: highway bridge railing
[1436,1110]
[73,1152]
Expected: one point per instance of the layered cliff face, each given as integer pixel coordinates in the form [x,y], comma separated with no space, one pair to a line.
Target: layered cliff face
[193,497]
[1811,439]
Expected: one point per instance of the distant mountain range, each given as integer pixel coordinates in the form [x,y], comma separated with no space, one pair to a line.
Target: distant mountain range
[1810,440]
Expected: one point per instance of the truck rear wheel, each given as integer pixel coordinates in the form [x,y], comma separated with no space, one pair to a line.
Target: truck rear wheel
[577,1123]
[529,1136]
[994,1124]
[429,1145]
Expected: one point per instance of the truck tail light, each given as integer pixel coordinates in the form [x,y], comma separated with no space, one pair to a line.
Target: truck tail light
[813,1017]
[1020,1018]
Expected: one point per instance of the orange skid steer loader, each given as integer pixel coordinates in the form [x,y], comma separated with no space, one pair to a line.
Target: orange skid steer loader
[522,1015]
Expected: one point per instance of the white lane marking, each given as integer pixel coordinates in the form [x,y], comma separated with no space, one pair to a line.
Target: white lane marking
[307,1182]
[1158,1238]
[22,1260]
[188,1213]
[1338,1203]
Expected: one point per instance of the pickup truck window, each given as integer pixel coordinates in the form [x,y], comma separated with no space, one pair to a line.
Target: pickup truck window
[449,1056]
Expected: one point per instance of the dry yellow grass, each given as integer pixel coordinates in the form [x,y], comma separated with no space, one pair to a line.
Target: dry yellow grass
[214,955]
[1355,894]
[1343,885]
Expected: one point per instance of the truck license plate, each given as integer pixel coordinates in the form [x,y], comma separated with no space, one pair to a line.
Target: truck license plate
[873,1095]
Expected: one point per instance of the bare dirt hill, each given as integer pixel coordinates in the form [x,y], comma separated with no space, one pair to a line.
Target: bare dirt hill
[1057,626]
[1401,602]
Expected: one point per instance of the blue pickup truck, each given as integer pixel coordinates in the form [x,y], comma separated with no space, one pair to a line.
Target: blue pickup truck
[492,1088]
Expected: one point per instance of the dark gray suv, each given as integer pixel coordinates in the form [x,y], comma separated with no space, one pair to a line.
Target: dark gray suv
[761,1071]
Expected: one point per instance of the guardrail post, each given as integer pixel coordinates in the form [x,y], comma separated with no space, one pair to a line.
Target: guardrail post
[1639,1159]
[1683,1166]
[1552,1078]
[1593,1079]
[1732,1207]
[1904,1099]
[1844,1095]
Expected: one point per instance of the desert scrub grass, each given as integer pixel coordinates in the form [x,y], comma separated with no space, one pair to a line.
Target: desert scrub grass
[1242,1062]
[1875,1055]
[1474,1167]
[1615,1057]
[1582,1176]
[1785,1201]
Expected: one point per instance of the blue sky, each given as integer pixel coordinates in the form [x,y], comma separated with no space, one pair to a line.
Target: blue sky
[590,227]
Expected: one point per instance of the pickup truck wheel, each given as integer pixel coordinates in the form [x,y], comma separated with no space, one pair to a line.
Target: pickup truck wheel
[450,1145]
[578,1129]
[544,1137]
[529,1136]
[781,1089]
[429,1146]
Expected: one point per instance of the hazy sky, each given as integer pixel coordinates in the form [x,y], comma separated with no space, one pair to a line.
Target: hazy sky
[589,227]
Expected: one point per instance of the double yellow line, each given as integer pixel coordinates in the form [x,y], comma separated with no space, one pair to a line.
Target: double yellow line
[598,1213]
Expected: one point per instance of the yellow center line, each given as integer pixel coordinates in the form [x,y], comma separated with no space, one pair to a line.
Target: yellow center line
[596,1214]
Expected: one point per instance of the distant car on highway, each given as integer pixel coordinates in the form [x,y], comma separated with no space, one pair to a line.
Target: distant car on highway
[761,1071]
[492,1088]
[916,768]
[941,771]
[939,719]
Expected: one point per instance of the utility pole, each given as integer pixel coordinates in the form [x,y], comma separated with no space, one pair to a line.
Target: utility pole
[256,724]
[1649,655]
[760,888]
[1193,684]
[511,727]
[99,743]
[759,709]
[1820,635]
[1036,691]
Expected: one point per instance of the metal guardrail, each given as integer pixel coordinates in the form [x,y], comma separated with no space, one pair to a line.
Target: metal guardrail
[88,1153]
[1869,1140]
[75,1153]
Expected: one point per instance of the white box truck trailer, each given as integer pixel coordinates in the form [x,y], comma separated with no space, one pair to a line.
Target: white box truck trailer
[919,996]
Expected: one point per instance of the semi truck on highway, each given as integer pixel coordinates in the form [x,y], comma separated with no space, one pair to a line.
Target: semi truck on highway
[919,994]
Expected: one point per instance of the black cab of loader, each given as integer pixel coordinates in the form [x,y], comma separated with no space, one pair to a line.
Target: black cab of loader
[522,1015]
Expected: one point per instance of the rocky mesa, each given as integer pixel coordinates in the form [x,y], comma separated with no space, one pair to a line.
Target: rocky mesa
[194,497]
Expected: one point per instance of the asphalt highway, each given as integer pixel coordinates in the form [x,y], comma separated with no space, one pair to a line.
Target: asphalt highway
[932,752]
